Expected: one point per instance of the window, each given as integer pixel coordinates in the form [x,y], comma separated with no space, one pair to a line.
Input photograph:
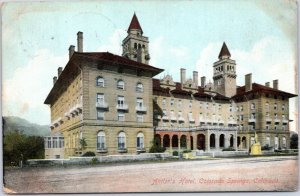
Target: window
[283,117]
[139,87]
[172,114]
[252,141]
[121,141]
[275,127]
[230,108]
[241,108]
[268,142]
[61,142]
[139,118]
[164,102]
[220,106]
[275,106]
[100,114]
[267,127]
[120,84]
[139,102]
[207,105]
[100,98]
[172,102]
[179,103]
[179,114]
[121,101]
[121,116]
[190,104]
[140,141]
[283,142]
[283,107]
[55,142]
[101,140]
[201,105]
[100,81]
[237,109]
[275,116]
[164,113]
[241,117]
[252,116]
[267,106]
[252,106]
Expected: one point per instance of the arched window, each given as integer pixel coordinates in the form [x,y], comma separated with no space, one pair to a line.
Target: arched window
[267,106]
[268,141]
[252,106]
[120,84]
[135,45]
[101,140]
[100,81]
[139,87]
[122,141]
[275,106]
[283,107]
[140,141]
[283,142]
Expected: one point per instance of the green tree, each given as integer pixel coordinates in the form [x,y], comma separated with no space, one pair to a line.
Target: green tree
[17,147]
[294,141]
[156,146]
[83,143]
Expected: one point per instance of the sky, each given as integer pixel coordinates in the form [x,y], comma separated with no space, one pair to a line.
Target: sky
[260,34]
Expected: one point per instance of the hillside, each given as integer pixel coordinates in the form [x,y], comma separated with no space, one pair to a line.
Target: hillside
[12,123]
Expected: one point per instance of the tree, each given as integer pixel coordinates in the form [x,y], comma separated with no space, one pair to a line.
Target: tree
[156,146]
[83,143]
[18,146]
[294,141]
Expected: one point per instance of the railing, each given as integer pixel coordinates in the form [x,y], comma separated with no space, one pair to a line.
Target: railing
[122,107]
[181,119]
[251,120]
[268,119]
[101,104]
[276,120]
[141,108]
[173,118]
[197,128]
[165,118]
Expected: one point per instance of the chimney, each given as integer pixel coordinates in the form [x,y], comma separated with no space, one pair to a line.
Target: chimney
[203,81]
[182,76]
[71,51]
[59,70]
[195,78]
[80,41]
[275,84]
[248,82]
[267,84]
[54,80]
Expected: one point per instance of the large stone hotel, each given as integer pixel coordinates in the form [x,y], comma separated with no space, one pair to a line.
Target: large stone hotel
[111,104]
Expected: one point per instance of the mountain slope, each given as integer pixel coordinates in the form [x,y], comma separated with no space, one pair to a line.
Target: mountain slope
[12,123]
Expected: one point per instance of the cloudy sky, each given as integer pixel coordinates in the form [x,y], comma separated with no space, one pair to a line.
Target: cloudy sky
[261,36]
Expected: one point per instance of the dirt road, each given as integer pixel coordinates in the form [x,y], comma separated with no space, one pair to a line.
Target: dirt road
[247,174]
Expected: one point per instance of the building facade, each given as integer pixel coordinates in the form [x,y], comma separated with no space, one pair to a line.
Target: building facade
[111,104]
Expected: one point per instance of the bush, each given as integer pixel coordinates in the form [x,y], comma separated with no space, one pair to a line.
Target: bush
[94,161]
[266,147]
[89,154]
[175,153]
[156,146]
[228,149]
[186,151]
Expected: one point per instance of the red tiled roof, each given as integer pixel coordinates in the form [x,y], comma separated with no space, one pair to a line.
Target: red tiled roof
[106,57]
[261,89]
[178,90]
[112,58]
[158,90]
[224,51]
[134,24]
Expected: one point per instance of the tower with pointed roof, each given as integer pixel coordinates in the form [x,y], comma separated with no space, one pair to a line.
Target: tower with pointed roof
[135,45]
[224,74]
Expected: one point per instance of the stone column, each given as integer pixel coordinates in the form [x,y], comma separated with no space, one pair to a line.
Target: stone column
[217,141]
[161,140]
[194,141]
[235,141]
[207,141]
[188,142]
